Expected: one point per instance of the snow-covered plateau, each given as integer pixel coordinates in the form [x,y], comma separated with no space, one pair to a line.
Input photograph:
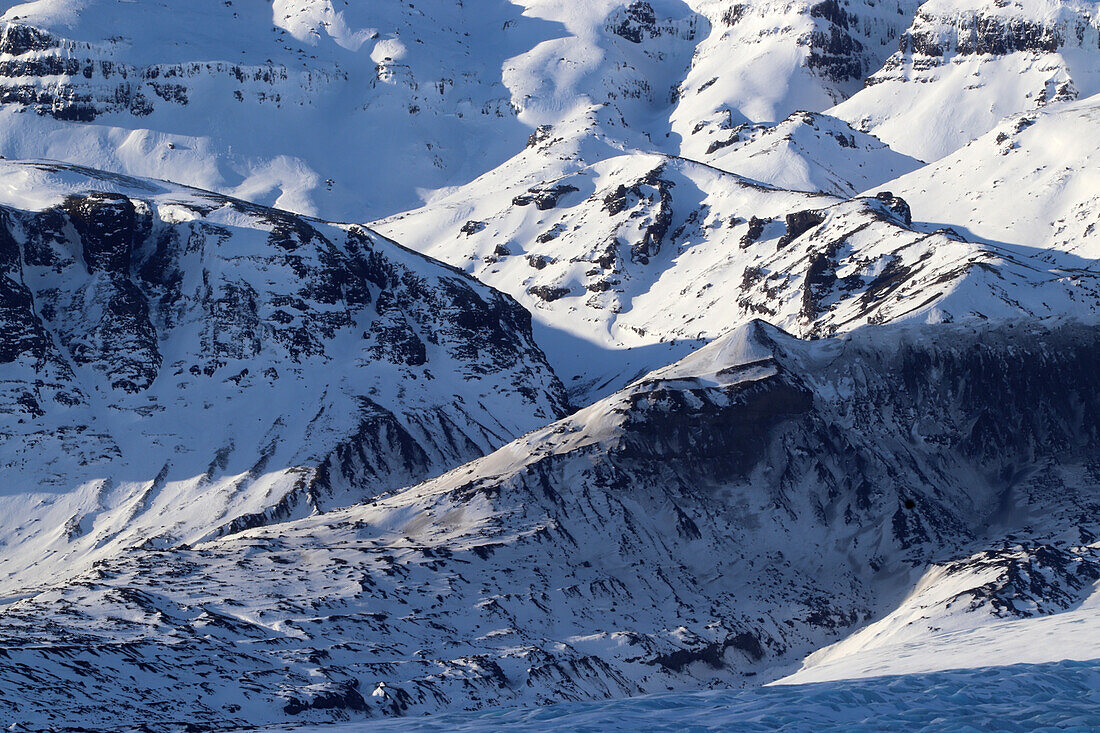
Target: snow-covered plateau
[535,364]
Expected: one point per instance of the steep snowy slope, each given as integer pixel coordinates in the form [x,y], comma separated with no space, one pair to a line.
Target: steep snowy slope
[806,152]
[175,365]
[296,103]
[963,67]
[709,525]
[1034,179]
[936,629]
[763,60]
[624,255]
[738,107]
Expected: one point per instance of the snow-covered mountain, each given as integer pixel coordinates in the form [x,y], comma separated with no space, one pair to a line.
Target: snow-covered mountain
[233,97]
[625,256]
[709,525]
[177,365]
[298,104]
[961,68]
[820,276]
[764,60]
[807,151]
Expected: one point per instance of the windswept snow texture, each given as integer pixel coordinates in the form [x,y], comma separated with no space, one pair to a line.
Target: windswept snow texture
[1033,180]
[1061,696]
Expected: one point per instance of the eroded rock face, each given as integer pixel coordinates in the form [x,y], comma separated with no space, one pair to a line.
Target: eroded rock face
[94,83]
[981,33]
[1040,53]
[637,22]
[896,206]
[543,197]
[133,277]
[835,53]
[122,341]
[798,223]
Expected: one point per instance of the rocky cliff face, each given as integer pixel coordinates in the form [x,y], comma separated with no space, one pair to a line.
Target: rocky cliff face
[91,83]
[161,345]
[1039,53]
[715,520]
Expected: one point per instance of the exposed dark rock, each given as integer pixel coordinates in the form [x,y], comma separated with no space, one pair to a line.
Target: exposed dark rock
[831,11]
[798,223]
[733,14]
[654,233]
[820,276]
[19,39]
[615,201]
[539,261]
[621,198]
[342,696]
[752,234]
[94,85]
[896,206]
[1028,578]
[472,227]
[600,286]
[717,145]
[835,55]
[713,655]
[549,235]
[607,257]
[725,433]
[106,226]
[543,197]
[380,446]
[635,22]
[547,198]
[980,34]
[123,343]
[398,343]
[541,134]
[21,331]
[549,293]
